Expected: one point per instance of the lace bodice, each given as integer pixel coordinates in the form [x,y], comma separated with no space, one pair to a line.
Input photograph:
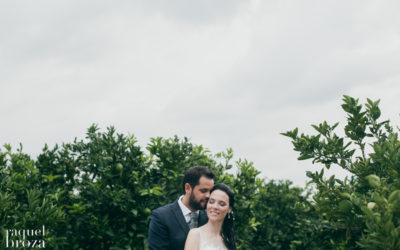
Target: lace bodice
[210,244]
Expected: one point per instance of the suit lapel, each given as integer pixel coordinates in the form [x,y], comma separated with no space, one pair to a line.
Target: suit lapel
[180,218]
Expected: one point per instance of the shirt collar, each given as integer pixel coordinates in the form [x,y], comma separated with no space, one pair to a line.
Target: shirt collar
[185,210]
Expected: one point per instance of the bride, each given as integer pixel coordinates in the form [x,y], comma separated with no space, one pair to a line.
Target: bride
[217,234]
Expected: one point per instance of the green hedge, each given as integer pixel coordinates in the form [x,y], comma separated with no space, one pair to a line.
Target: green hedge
[98,193]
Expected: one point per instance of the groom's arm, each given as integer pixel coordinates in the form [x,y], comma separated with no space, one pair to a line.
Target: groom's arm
[158,233]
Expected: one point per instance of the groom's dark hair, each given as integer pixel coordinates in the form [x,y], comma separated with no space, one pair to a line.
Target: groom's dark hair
[193,175]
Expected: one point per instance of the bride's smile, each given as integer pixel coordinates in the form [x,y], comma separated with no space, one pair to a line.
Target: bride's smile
[218,205]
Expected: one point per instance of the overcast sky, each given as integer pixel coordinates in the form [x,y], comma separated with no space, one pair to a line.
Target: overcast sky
[225,73]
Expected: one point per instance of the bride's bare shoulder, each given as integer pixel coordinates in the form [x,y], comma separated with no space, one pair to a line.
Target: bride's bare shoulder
[198,230]
[194,232]
[193,239]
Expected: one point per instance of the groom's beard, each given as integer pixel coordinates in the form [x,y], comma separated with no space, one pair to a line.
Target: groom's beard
[197,205]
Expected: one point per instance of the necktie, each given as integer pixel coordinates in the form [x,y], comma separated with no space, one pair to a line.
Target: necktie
[193,220]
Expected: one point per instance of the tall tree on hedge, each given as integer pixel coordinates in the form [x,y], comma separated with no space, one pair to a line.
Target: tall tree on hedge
[363,210]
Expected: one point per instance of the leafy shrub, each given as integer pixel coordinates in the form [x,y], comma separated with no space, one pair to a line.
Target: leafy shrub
[363,210]
[98,193]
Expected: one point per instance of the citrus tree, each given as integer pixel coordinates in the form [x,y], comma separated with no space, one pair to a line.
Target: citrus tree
[363,210]
[98,193]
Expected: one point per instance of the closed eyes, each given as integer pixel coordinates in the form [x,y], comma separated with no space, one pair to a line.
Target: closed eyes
[221,203]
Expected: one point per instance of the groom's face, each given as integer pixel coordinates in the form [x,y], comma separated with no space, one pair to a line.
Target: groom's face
[201,193]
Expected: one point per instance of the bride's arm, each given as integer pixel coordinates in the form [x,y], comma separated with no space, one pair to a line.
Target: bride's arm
[193,240]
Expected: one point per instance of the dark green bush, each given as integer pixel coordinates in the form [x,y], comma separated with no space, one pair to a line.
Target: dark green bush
[362,211]
[98,193]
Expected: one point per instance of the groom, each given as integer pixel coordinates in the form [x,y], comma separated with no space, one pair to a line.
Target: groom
[170,224]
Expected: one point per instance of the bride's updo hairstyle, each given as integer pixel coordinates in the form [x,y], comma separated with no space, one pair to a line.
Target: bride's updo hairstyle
[227,226]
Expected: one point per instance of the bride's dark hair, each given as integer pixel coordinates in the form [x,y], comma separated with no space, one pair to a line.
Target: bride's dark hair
[227,226]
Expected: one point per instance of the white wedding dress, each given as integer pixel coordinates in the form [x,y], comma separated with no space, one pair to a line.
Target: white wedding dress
[210,244]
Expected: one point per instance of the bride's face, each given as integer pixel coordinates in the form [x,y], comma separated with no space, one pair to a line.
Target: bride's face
[218,205]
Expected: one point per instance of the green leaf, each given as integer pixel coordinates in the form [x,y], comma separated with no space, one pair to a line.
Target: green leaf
[394,197]
[304,157]
[345,206]
[373,180]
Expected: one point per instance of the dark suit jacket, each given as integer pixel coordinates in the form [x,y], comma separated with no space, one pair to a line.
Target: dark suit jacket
[168,228]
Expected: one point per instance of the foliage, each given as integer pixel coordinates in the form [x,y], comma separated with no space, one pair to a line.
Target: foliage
[98,193]
[23,204]
[363,210]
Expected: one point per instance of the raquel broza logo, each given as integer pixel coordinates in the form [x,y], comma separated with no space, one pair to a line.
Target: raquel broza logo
[25,238]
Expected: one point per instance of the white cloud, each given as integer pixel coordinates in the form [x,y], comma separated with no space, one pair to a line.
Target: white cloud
[226,73]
